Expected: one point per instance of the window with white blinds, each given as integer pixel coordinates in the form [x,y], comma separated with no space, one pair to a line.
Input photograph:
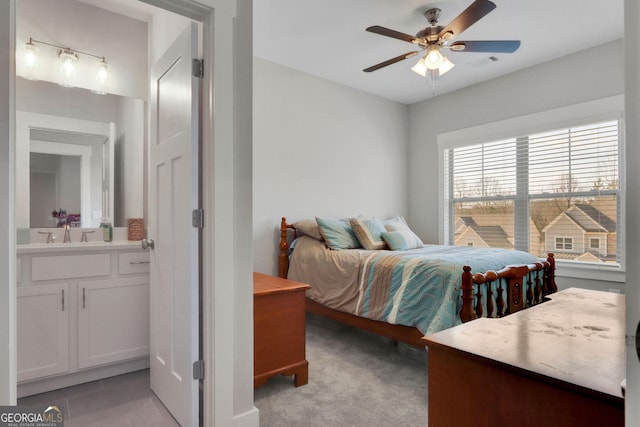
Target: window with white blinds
[556,191]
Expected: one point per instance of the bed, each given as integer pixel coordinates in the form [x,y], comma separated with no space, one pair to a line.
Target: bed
[406,294]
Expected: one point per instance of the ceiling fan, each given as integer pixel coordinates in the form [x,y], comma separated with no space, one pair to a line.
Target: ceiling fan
[434,38]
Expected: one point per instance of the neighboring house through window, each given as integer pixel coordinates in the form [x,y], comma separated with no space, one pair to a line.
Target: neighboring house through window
[553,191]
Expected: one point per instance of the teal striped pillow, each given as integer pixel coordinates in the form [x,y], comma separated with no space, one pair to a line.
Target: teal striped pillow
[369,232]
[402,240]
[338,233]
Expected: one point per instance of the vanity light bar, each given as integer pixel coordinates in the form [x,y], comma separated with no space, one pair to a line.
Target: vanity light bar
[68,57]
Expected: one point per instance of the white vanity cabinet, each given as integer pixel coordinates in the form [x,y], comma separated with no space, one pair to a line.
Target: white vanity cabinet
[43,330]
[113,320]
[83,313]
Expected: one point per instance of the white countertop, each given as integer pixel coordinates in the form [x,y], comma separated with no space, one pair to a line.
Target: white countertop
[76,247]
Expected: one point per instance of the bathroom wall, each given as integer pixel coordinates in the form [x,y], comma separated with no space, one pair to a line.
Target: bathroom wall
[130,161]
[8,362]
[82,27]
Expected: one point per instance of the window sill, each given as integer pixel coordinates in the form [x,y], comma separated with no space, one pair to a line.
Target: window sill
[590,272]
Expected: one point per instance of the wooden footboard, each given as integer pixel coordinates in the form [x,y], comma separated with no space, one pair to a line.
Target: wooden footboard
[488,294]
[508,290]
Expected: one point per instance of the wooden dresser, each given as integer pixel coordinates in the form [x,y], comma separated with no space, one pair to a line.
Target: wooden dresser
[279,329]
[560,363]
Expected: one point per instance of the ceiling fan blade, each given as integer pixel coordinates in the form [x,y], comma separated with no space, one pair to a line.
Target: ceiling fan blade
[467,18]
[390,61]
[497,46]
[393,33]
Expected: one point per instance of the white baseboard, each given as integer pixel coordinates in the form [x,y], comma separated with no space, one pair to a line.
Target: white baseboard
[29,388]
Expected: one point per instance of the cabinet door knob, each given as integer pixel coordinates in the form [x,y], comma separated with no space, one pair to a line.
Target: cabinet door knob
[148,244]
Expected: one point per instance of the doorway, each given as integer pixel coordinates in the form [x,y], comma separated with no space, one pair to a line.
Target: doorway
[227,239]
[80,103]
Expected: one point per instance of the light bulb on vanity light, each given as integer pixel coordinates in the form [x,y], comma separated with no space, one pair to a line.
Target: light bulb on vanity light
[102,76]
[30,59]
[68,60]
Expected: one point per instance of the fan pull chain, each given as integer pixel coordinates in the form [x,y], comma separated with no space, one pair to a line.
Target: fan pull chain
[432,75]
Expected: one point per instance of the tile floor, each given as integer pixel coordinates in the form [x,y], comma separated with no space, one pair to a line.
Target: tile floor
[122,401]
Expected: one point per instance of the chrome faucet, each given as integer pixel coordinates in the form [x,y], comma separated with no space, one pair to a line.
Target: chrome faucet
[50,237]
[67,236]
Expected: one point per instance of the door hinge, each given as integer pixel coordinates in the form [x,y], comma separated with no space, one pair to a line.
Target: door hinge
[197,218]
[197,68]
[198,370]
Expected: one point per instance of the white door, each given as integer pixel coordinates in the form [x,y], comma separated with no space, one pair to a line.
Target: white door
[173,194]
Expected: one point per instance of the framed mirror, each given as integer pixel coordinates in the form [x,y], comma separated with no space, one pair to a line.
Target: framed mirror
[75,174]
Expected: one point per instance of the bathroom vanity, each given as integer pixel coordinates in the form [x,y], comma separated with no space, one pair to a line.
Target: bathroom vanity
[82,312]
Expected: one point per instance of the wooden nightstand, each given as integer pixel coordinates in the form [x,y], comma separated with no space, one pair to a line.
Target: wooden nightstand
[279,329]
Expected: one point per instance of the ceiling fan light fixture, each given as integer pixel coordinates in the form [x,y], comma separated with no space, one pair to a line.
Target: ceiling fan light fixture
[433,59]
[420,68]
[446,66]
[434,38]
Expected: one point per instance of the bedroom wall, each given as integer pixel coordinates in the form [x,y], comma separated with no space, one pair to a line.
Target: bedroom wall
[321,149]
[565,81]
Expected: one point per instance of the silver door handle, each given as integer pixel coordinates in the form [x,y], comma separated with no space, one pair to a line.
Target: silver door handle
[148,244]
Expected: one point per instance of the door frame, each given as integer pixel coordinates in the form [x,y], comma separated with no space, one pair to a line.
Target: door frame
[8,301]
[227,291]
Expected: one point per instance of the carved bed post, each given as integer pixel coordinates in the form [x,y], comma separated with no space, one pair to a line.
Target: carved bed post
[283,259]
[551,274]
[467,313]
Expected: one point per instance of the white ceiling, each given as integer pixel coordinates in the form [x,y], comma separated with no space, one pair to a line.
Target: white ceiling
[327,38]
[132,9]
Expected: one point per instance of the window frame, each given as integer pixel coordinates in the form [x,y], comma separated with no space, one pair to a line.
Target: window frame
[566,243]
[590,112]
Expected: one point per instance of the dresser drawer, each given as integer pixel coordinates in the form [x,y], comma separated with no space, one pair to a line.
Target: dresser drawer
[133,262]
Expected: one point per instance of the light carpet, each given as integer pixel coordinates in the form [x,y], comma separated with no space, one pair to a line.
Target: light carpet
[355,379]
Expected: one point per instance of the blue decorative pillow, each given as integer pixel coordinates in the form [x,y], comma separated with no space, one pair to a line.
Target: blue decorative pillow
[338,233]
[369,232]
[402,240]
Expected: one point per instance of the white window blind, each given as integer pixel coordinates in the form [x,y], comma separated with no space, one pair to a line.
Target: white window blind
[556,191]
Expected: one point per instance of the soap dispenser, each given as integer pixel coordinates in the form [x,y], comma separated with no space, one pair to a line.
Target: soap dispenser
[107,229]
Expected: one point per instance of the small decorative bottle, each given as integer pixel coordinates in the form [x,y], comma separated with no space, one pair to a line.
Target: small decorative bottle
[107,229]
